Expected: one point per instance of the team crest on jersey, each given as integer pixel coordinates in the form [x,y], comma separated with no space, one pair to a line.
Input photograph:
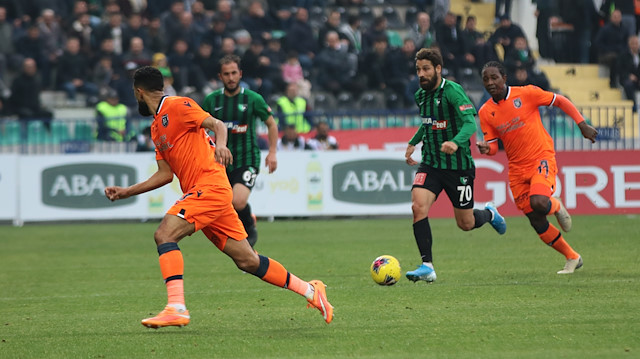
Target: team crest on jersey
[165,120]
[242,107]
[464,180]
[517,103]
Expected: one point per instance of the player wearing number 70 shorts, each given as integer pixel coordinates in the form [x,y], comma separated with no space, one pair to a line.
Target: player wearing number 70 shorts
[448,121]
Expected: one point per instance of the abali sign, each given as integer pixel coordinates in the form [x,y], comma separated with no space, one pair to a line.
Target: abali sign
[374,181]
[82,185]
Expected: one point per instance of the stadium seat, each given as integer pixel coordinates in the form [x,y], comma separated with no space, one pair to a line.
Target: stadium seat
[393,101]
[59,131]
[322,101]
[410,16]
[416,121]
[348,123]
[345,101]
[37,133]
[393,18]
[366,16]
[371,100]
[83,131]
[11,133]
[370,122]
[394,122]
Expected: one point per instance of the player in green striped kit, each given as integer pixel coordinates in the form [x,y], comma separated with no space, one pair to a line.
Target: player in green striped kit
[448,121]
[239,108]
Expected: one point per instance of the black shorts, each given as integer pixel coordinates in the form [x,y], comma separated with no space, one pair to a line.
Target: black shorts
[245,175]
[458,184]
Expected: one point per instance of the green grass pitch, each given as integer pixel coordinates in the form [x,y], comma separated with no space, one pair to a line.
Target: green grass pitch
[80,290]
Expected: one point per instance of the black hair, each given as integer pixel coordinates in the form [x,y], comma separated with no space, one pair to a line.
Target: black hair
[496,64]
[148,78]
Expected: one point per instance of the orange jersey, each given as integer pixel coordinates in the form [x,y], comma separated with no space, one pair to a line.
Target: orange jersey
[516,121]
[185,145]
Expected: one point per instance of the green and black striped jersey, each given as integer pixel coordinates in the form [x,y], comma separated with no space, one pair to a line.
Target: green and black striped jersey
[447,115]
[239,113]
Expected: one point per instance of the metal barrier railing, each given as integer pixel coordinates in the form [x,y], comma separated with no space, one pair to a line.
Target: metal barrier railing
[617,125]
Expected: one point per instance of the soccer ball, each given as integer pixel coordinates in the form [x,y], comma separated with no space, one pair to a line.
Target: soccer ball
[385,270]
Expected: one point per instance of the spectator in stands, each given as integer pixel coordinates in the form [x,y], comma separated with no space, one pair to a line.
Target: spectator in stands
[74,73]
[25,96]
[378,29]
[379,66]
[186,31]
[277,58]
[82,29]
[170,18]
[477,50]
[519,56]
[135,29]
[180,63]
[123,83]
[227,13]
[51,33]
[301,38]
[331,24]
[503,8]
[451,46]
[255,69]
[257,22]
[107,50]
[627,13]
[579,14]
[201,18]
[629,65]
[506,32]
[103,73]
[137,53]
[282,12]
[421,32]
[291,109]
[611,42]
[111,117]
[7,50]
[292,73]
[402,78]
[522,77]
[113,29]
[31,45]
[204,74]
[217,33]
[291,140]
[337,67]
[352,33]
[322,141]
[545,9]
[157,36]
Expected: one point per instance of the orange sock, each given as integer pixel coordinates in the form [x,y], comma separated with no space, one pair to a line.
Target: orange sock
[271,271]
[172,268]
[553,238]
[555,205]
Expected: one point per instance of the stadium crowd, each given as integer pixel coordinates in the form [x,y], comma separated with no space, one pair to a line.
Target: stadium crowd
[340,48]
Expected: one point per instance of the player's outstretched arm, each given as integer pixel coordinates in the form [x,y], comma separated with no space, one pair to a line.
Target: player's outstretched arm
[223,155]
[163,175]
[570,109]
[272,131]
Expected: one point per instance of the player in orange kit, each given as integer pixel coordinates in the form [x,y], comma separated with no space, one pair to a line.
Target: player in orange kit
[183,147]
[512,116]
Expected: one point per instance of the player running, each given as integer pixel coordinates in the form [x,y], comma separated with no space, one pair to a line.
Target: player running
[512,116]
[184,148]
[239,108]
[448,121]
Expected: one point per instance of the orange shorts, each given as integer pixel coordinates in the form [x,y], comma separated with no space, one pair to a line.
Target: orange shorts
[539,179]
[210,209]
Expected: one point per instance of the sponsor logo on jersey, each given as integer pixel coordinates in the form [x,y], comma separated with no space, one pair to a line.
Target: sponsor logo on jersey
[465,107]
[435,124]
[236,128]
[82,185]
[376,181]
[517,103]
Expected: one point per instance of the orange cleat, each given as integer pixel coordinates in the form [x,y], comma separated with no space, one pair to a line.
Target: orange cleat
[170,316]
[320,301]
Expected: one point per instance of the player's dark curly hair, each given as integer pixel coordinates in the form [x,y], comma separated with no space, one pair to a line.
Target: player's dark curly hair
[497,65]
[432,55]
[148,78]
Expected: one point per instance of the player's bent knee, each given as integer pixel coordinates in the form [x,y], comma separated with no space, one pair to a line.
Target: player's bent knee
[466,226]
[247,263]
